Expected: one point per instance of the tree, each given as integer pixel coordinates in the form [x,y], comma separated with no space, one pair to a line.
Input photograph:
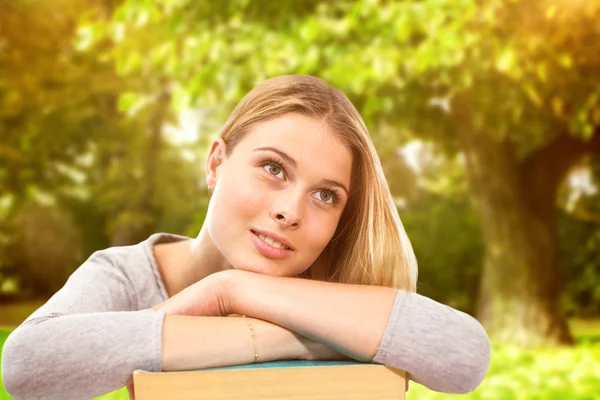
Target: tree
[514,85]
[53,109]
[49,106]
[66,143]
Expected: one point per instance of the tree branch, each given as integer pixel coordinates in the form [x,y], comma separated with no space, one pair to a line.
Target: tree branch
[564,151]
[544,170]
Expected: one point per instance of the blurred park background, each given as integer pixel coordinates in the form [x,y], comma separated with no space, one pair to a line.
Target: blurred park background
[486,116]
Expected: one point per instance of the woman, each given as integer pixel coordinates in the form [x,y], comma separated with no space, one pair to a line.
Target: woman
[302,243]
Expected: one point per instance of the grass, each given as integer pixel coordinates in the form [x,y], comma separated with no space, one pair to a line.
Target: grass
[566,373]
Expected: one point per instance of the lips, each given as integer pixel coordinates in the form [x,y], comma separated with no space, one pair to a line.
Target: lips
[273,239]
[268,250]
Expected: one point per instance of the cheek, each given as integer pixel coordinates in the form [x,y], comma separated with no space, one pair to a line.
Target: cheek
[249,200]
[320,231]
[234,205]
[241,193]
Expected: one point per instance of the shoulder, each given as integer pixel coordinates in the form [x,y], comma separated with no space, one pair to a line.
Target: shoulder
[138,265]
[130,268]
[133,257]
[119,278]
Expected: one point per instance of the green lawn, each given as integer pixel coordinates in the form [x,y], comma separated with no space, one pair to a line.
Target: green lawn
[514,373]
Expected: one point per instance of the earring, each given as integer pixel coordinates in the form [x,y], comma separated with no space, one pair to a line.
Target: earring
[209,191]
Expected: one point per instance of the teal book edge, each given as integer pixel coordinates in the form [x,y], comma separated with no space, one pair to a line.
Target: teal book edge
[285,364]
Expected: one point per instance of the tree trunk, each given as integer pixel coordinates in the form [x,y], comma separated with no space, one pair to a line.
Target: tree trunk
[522,284]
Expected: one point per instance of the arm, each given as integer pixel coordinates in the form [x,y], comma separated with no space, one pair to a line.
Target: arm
[199,311]
[86,340]
[80,356]
[444,349]
[93,333]
[226,341]
[349,318]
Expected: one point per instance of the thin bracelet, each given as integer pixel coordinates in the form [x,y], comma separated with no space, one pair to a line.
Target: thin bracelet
[253,338]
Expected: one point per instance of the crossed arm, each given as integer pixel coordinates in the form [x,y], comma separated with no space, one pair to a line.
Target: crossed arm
[350,319]
[440,347]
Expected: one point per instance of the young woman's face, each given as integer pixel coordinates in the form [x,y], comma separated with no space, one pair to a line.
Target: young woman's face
[287,179]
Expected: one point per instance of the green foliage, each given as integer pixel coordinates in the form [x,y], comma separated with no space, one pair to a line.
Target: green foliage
[399,62]
[76,140]
[53,102]
[3,335]
[58,248]
[580,244]
[533,374]
[447,273]
[579,223]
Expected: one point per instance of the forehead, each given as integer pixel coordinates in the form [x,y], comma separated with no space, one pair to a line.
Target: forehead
[309,141]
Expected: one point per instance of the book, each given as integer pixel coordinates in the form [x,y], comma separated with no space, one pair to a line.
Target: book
[276,380]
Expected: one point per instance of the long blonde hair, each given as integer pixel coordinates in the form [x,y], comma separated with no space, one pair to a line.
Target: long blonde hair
[370,245]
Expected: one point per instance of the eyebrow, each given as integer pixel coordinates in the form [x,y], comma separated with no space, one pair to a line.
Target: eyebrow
[291,161]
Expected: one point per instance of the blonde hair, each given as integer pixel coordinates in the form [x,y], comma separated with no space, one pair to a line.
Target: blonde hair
[370,245]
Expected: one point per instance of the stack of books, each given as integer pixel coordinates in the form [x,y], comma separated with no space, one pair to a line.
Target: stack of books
[277,380]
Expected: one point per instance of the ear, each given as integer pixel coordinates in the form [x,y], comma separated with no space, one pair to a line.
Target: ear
[215,158]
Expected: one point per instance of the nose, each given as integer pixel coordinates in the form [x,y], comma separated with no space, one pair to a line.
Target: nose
[288,209]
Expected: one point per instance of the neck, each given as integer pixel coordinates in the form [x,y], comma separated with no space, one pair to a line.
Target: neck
[206,258]
[184,263]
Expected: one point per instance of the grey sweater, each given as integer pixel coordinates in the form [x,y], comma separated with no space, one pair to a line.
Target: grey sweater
[95,331]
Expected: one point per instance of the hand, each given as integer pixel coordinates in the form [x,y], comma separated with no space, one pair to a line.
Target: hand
[207,297]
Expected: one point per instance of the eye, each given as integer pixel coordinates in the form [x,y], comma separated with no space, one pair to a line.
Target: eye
[329,197]
[273,168]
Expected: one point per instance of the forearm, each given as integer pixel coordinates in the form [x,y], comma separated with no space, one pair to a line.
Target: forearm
[350,319]
[79,356]
[190,342]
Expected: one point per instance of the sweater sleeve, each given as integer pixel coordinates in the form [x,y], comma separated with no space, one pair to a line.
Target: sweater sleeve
[444,349]
[86,340]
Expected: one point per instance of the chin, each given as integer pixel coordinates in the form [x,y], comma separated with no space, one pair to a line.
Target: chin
[261,268]
[255,267]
